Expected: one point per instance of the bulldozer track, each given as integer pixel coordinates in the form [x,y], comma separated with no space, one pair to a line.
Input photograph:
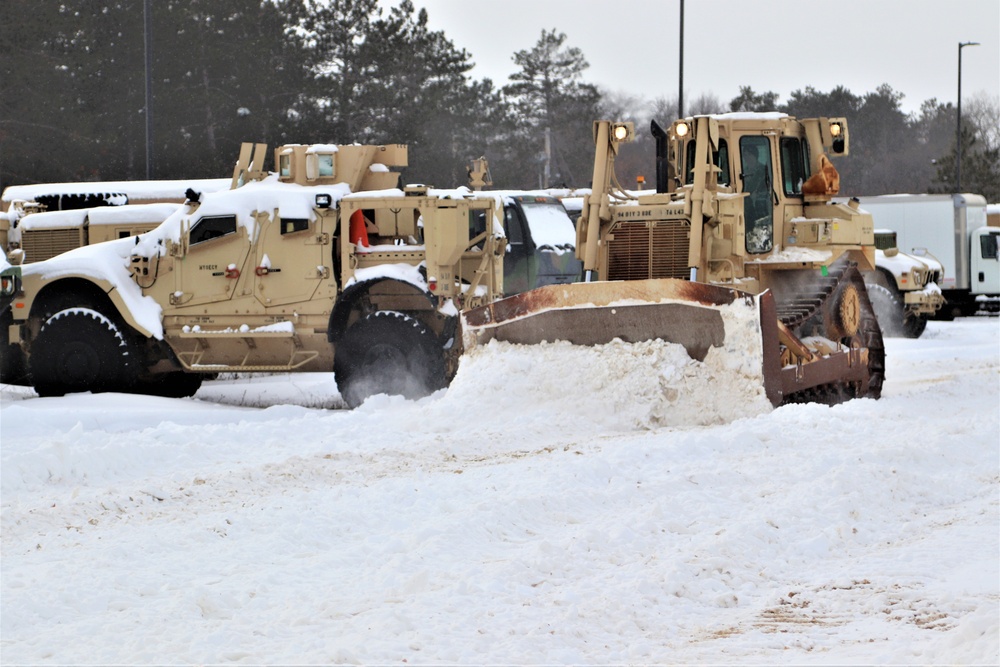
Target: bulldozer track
[805,309]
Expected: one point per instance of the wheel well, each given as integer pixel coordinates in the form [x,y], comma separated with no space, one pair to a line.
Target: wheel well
[382,294]
[69,293]
[889,278]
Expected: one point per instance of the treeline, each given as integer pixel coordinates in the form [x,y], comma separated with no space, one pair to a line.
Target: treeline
[72,99]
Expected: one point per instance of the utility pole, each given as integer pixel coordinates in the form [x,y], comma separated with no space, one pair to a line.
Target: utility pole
[147,14]
[680,78]
[958,135]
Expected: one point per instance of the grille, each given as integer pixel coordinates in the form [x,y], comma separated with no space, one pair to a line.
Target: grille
[885,241]
[638,251]
[45,243]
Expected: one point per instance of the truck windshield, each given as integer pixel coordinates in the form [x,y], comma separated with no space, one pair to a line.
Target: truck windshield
[550,225]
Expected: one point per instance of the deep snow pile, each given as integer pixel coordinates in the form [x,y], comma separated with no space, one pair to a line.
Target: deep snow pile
[503,522]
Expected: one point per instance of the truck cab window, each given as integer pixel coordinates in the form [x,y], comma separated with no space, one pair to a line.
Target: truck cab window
[988,245]
[212,228]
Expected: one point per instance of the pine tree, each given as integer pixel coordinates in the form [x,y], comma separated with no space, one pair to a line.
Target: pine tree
[549,98]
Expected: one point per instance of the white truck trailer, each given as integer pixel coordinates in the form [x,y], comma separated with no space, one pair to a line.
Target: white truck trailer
[953,229]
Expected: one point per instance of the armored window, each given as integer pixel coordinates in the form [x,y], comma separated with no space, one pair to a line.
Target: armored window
[793,172]
[477,223]
[325,164]
[292,225]
[212,228]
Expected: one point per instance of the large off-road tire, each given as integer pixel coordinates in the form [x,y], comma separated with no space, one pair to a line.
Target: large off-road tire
[889,310]
[79,349]
[914,325]
[388,352]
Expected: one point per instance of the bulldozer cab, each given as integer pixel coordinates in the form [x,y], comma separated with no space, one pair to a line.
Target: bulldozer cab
[778,162]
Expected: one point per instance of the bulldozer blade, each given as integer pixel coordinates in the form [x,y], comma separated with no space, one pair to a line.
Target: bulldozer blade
[676,311]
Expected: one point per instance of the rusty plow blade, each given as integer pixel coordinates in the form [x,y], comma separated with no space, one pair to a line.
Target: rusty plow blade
[697,316]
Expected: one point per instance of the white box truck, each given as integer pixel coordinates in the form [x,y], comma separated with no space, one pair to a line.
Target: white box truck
[953,229]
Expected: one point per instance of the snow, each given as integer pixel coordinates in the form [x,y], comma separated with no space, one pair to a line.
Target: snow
[534,512]
[133,189]
[100,215]
[901,262]
[795,254]
[551,227]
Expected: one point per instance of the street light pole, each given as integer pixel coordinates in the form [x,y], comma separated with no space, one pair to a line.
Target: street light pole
[958,136]
[680,78]
[147,24]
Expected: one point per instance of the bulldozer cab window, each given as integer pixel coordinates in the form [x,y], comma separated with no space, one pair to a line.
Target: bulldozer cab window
[689,162]
[793,166]
[719,157]
[755,162]
[212,228]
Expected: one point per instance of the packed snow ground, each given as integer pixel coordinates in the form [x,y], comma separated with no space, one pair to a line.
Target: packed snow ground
[545,509]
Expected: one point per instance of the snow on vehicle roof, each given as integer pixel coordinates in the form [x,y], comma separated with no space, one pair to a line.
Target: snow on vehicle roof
[110,261]
[133,189]
[750,115]
[99,215]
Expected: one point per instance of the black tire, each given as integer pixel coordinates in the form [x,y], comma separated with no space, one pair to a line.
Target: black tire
[914,325]
[12,367]
[176,384]
[388,352]
[79,349]
[888,309]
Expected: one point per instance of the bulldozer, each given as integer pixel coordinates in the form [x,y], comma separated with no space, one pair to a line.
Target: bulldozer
[742,213]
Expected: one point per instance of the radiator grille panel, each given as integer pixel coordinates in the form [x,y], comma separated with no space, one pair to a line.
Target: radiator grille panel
[46,243]
[638,251]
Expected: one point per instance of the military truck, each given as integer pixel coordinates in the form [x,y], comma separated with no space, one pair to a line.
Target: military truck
[541,241]
[10,283]
[298,270]
[742,210]
[903,288]
[19,201]
[41,235]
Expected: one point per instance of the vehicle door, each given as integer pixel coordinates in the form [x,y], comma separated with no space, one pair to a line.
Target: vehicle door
[757,169]
[517,269]
[290,258]
[984,264]
[214,267]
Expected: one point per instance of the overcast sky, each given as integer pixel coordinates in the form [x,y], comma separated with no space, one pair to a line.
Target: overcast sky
[779,45]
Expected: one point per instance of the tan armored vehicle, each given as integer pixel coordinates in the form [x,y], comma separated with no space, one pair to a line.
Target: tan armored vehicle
[742,210]
[265,277]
